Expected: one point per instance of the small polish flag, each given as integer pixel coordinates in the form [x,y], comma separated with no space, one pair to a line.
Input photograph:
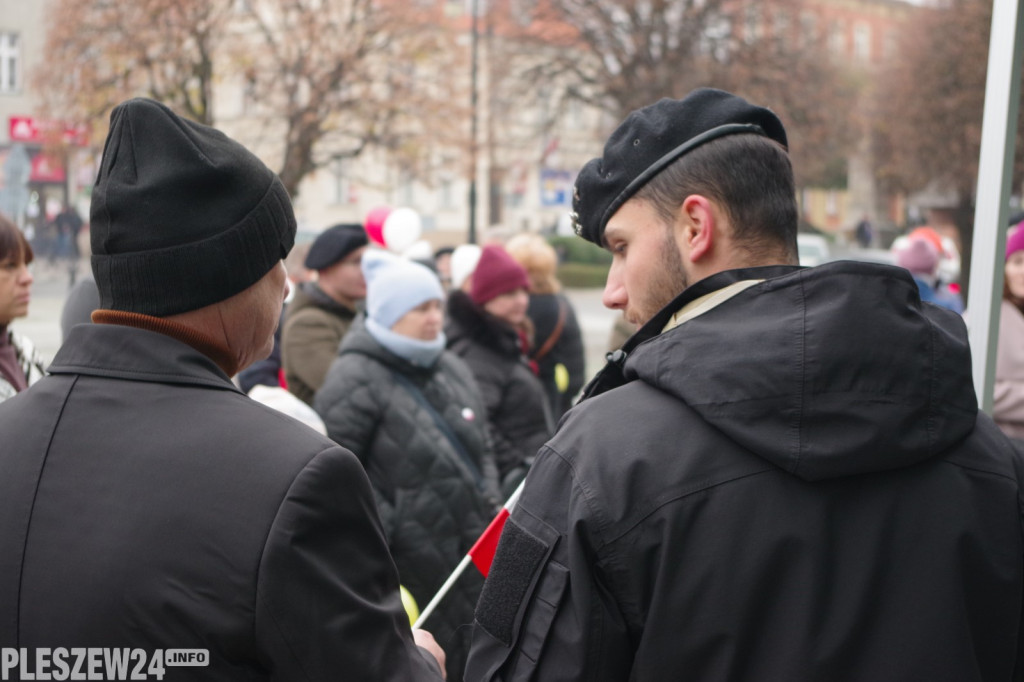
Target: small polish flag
[481,554]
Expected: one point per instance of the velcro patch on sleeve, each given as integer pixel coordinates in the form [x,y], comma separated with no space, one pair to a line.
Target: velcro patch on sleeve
[516,564]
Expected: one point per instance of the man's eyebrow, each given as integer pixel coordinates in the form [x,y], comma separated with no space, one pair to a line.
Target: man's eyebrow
[614,231]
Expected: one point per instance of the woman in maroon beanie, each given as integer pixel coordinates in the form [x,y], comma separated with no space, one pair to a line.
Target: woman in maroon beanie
[20,365]
[488,328]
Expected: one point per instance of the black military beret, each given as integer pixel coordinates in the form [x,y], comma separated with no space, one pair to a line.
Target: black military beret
[653,137]
[335,243]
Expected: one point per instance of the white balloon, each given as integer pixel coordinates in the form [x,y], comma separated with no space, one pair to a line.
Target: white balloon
[420,250]
[402,228]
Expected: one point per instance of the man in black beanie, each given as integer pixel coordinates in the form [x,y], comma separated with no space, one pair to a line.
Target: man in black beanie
[320,314]
[146,503]
[782,475]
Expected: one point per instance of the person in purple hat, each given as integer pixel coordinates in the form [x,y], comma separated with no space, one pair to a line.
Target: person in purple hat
[782,475]
[489,329]
[1008,402]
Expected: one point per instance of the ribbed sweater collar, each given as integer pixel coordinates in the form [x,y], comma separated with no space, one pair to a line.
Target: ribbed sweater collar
[221,355]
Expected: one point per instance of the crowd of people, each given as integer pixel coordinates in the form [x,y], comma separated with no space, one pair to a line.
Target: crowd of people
[781,473]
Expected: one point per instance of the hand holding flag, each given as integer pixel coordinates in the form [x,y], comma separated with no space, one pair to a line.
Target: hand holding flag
[481,554]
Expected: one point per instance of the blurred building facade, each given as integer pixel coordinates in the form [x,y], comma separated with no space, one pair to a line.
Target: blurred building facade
[524,158]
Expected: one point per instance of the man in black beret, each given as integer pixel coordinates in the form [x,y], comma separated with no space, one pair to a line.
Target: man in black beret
[147,504]
[782,475]
[320,314]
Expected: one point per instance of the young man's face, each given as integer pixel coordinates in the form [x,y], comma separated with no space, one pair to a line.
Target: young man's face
[647,270]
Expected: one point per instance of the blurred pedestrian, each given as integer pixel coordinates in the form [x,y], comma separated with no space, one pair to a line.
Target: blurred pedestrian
[443,265]
[319,315]
[783,475]
[412,413]
[921,258]
[82,299]
[146,503]
[20,363]
[864,232]
[557,342]
[487,329]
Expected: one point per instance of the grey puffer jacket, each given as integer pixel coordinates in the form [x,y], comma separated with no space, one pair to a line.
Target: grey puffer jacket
[433,504]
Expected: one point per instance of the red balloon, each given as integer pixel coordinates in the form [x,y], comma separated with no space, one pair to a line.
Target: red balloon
[374,224]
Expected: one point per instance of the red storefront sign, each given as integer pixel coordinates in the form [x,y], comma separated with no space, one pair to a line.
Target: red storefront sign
[46,168]
[28,129]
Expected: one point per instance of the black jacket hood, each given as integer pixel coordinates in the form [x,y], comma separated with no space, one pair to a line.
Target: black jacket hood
[825,372]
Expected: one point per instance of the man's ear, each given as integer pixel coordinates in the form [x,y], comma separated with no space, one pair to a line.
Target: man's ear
[698,228]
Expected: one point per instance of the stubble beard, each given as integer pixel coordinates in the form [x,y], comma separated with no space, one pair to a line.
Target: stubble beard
[669,279]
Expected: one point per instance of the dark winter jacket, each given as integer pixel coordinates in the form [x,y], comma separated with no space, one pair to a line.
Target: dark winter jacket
[566,349]
[434,501]
[314,324]
[147,503]
[517,408]
[794,483]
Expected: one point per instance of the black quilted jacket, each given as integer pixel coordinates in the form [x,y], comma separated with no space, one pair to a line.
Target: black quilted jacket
[432,503]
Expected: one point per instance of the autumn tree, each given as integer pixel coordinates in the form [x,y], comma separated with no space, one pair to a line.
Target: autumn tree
[317,80]
[619,55]
[930,106]
[100,52]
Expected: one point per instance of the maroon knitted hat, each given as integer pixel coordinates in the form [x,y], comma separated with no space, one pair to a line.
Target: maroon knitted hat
[496,273]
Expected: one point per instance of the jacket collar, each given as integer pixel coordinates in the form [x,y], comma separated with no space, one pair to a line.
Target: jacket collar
[612,375]
[134,354]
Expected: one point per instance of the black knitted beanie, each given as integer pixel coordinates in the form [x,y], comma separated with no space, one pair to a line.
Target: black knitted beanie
[182,216]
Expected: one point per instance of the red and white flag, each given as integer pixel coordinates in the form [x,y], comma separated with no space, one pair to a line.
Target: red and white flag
[481,554]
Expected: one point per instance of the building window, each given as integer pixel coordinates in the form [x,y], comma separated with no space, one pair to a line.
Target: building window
[837,38]
[10,63]
[341,188]
[862,42]
[446,193]
[808,29]
[752,24]
[781,25]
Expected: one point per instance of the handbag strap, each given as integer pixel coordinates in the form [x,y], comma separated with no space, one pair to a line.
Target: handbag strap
[443,426]
[555,334]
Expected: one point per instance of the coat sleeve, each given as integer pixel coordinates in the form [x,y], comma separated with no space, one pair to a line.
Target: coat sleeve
[547,611]
[308,347]
[327,602]
[491,380]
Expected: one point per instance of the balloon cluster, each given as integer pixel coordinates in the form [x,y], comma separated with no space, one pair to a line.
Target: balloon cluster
[398,230]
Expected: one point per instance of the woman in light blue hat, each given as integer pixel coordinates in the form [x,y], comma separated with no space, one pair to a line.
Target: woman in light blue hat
[411,411]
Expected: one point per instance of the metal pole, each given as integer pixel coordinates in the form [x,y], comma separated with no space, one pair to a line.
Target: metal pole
[995,167]
[474,39]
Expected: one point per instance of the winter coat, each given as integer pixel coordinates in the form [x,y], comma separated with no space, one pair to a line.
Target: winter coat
[434,501]
[31,363]
[1008,402]
[314,324]
[517,408]
[566,350]
[794,483]
[169,510]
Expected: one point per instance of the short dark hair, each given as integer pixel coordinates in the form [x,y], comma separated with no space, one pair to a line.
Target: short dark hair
[750,177]
[13,243]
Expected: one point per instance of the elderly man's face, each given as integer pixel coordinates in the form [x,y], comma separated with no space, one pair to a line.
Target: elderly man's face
[647,270]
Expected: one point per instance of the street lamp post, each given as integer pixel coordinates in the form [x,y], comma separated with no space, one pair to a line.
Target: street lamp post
[474,39]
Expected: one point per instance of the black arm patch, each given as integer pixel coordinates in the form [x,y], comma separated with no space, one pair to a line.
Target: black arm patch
[516,564]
